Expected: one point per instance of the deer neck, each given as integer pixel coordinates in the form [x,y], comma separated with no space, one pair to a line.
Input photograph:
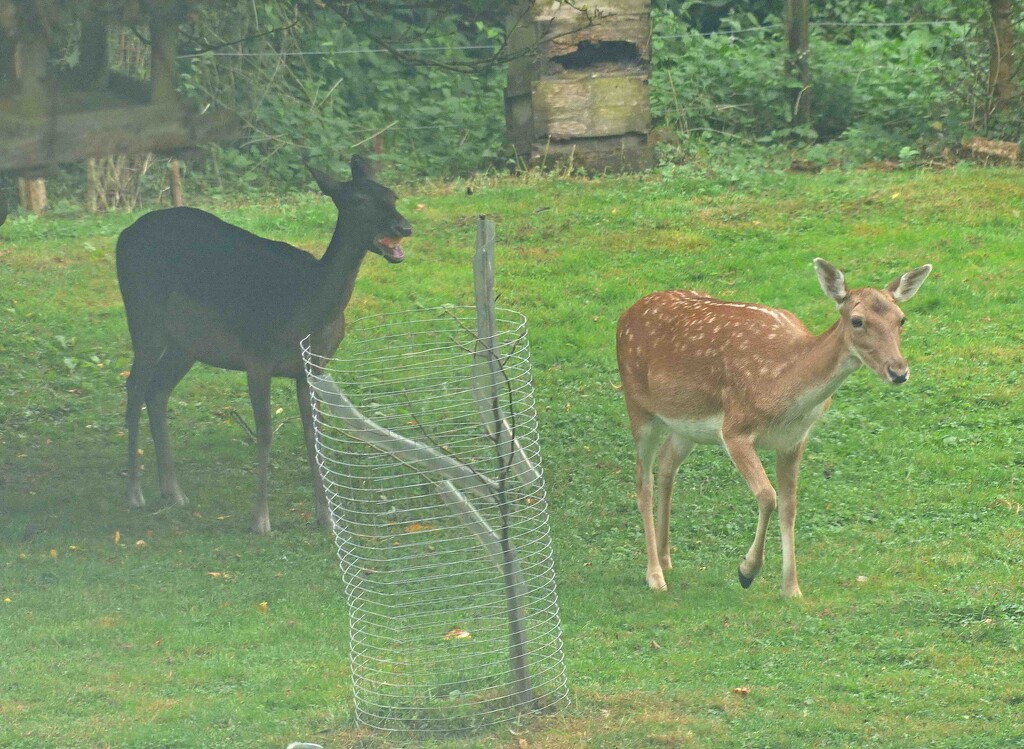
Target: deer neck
[828,361]
[325,304]
[339,267]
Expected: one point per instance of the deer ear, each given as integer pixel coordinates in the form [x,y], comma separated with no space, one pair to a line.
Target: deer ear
[907,285]
[832,281]
[328,185]
[363,168]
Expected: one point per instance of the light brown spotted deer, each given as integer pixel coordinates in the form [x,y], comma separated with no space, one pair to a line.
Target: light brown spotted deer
[699,370]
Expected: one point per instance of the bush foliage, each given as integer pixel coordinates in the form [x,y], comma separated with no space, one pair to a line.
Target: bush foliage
[888,80]
[317,81]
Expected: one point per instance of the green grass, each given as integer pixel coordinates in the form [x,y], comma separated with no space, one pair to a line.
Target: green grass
[910,538]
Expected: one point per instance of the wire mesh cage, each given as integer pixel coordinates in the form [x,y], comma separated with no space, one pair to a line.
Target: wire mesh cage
[430,457]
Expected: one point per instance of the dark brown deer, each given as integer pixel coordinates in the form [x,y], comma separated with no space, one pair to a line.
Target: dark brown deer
[198,289]
[700,370]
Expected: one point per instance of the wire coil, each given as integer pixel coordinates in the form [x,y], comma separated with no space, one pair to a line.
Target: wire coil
[441,527]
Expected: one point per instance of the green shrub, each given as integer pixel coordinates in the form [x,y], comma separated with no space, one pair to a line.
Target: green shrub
[886,81]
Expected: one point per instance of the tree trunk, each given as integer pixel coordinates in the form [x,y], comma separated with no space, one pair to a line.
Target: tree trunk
[797,16]
[1002,78]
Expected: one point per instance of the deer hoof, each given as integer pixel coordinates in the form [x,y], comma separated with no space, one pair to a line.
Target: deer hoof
[656,582]
[744,580]
[135,498]
[175,498]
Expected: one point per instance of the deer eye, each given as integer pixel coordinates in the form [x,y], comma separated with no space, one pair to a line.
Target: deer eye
[857,322]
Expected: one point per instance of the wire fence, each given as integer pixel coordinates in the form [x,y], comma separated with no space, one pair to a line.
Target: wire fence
[442,532]
[494,48]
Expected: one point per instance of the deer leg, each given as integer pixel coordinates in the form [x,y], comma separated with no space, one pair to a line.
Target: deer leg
[143,369]
[323,513]
[259,396]
[173,365]
[787,469]
[673,453]
[744,457]
[648,438]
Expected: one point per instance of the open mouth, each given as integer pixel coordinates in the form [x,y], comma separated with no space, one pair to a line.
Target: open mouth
[390,249]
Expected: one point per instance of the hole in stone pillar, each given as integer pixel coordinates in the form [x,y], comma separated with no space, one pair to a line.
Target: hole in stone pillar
[591,53]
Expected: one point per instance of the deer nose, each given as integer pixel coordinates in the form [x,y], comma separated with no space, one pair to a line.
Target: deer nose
[897,376]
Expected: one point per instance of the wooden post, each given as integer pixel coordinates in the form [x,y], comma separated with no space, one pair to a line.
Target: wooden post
[504,441]
[32,193]
[797,18]
[175,169]
[94,187]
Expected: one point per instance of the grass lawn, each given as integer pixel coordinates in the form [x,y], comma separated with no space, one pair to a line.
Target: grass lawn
[179,628]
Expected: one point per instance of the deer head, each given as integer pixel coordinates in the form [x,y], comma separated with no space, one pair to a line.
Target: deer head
[373,203]
[871,319]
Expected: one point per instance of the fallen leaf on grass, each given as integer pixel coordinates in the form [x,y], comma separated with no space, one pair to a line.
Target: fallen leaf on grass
[457,634]
[1012,506]
[263,607]
[418,527]
[741,691]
